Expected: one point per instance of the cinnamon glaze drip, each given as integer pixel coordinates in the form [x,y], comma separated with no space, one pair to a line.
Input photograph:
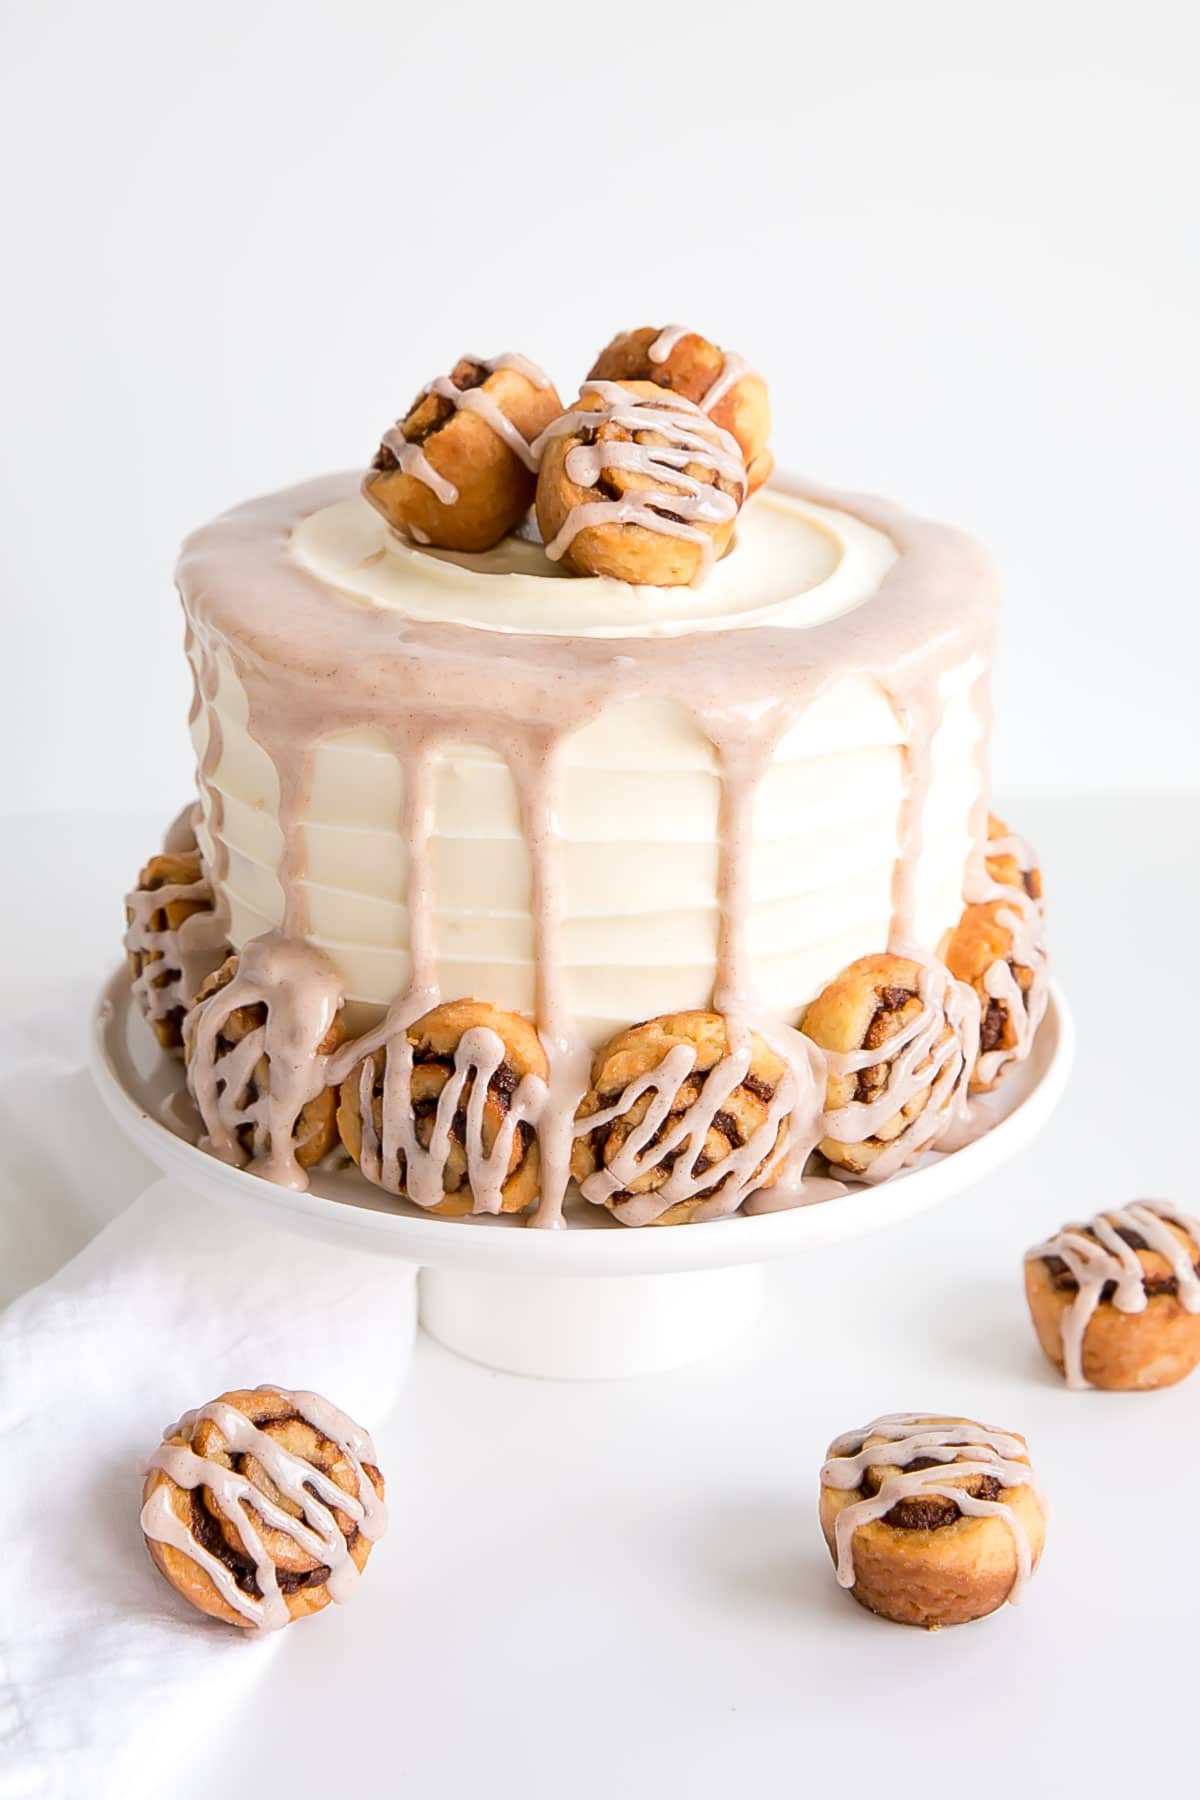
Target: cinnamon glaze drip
[1101,1261]
[688,440]
[924,1492]
[250,1582]
[299,994]
[313,663]
[173,960]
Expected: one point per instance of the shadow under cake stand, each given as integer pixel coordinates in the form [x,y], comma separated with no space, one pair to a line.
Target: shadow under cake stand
[596,1299]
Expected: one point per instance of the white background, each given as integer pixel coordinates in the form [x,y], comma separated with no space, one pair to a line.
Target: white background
[959,238]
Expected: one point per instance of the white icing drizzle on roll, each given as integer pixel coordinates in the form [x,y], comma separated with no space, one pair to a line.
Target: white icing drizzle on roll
[748,1166]
[396,1159]
[1096,1254]
[907,1437]
[411,458]
[1025,918]
[301,994]
[175,960]
[691,440]
[316,1532]
[733,366]
[922,1055]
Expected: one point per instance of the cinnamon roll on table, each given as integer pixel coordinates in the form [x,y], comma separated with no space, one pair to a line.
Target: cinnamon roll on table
[931,1520]
[1116,1302]
[263,1506]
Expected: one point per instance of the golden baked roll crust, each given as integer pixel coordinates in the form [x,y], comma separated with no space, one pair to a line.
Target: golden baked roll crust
[262,1506]
[931,1520]
[996,949]
[173,939]
[718,381]
[1116,1302]
[444,1113]
[1011,862]
[457,470]
[246,1098]
[678,1124]
[638,485]
[900,1038]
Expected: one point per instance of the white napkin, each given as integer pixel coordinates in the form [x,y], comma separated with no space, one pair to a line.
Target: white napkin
[174,1301]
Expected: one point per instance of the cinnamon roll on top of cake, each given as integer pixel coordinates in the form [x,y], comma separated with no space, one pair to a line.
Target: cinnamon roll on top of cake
[458,470]
[998,949]
[721,383]
[258,1044]
[680,1123]
[900,1038]
[931,1520]
[262,1506]
[1116,1302]
[444,1112]
[639,485]
[174,937]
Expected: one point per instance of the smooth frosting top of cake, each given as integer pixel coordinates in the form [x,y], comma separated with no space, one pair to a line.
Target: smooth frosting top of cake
[793,563]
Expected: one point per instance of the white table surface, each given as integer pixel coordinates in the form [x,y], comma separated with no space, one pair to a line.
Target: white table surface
[620,1588]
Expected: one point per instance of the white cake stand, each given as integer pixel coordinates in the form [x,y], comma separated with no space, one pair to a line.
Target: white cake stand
[597,1299]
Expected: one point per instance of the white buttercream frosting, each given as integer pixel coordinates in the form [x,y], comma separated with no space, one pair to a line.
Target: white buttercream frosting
[792,563]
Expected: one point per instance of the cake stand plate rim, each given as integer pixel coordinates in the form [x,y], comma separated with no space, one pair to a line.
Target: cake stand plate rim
[608,1249]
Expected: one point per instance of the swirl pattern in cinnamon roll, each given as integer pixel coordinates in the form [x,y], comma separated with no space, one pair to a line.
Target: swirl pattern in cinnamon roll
[900,1038]
[257,1045]
[262,1506]
[174,939]
[931,1520]
[458,470]
[998,948]
[638,485]
[679,1124]
[444,1113]
[1116,1302]
[719,382]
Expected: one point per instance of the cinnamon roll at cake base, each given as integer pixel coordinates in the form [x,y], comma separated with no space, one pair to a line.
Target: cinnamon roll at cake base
[721,383]
[931,1520]
[257,1045]
[173,939]
[443,1113]
[900,1038]
[638,485]
[1116,1302]
[263,1506]
[458,470]
[680,1123]
[998,949]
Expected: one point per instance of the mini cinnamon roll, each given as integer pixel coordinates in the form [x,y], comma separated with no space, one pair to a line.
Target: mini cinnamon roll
[262,1506]
[173,940]
[996,949]
[1012,863]
[257,1044]
[457,470]
[637,485]
[900,1039]
[680,1124]
[1116,1303]
[931,1520]
[719,382]
[444,1113]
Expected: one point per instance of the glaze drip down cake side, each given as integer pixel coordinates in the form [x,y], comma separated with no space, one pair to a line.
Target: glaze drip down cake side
[574,800]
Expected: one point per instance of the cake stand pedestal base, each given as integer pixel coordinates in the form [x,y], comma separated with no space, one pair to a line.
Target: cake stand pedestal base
[579,1329]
